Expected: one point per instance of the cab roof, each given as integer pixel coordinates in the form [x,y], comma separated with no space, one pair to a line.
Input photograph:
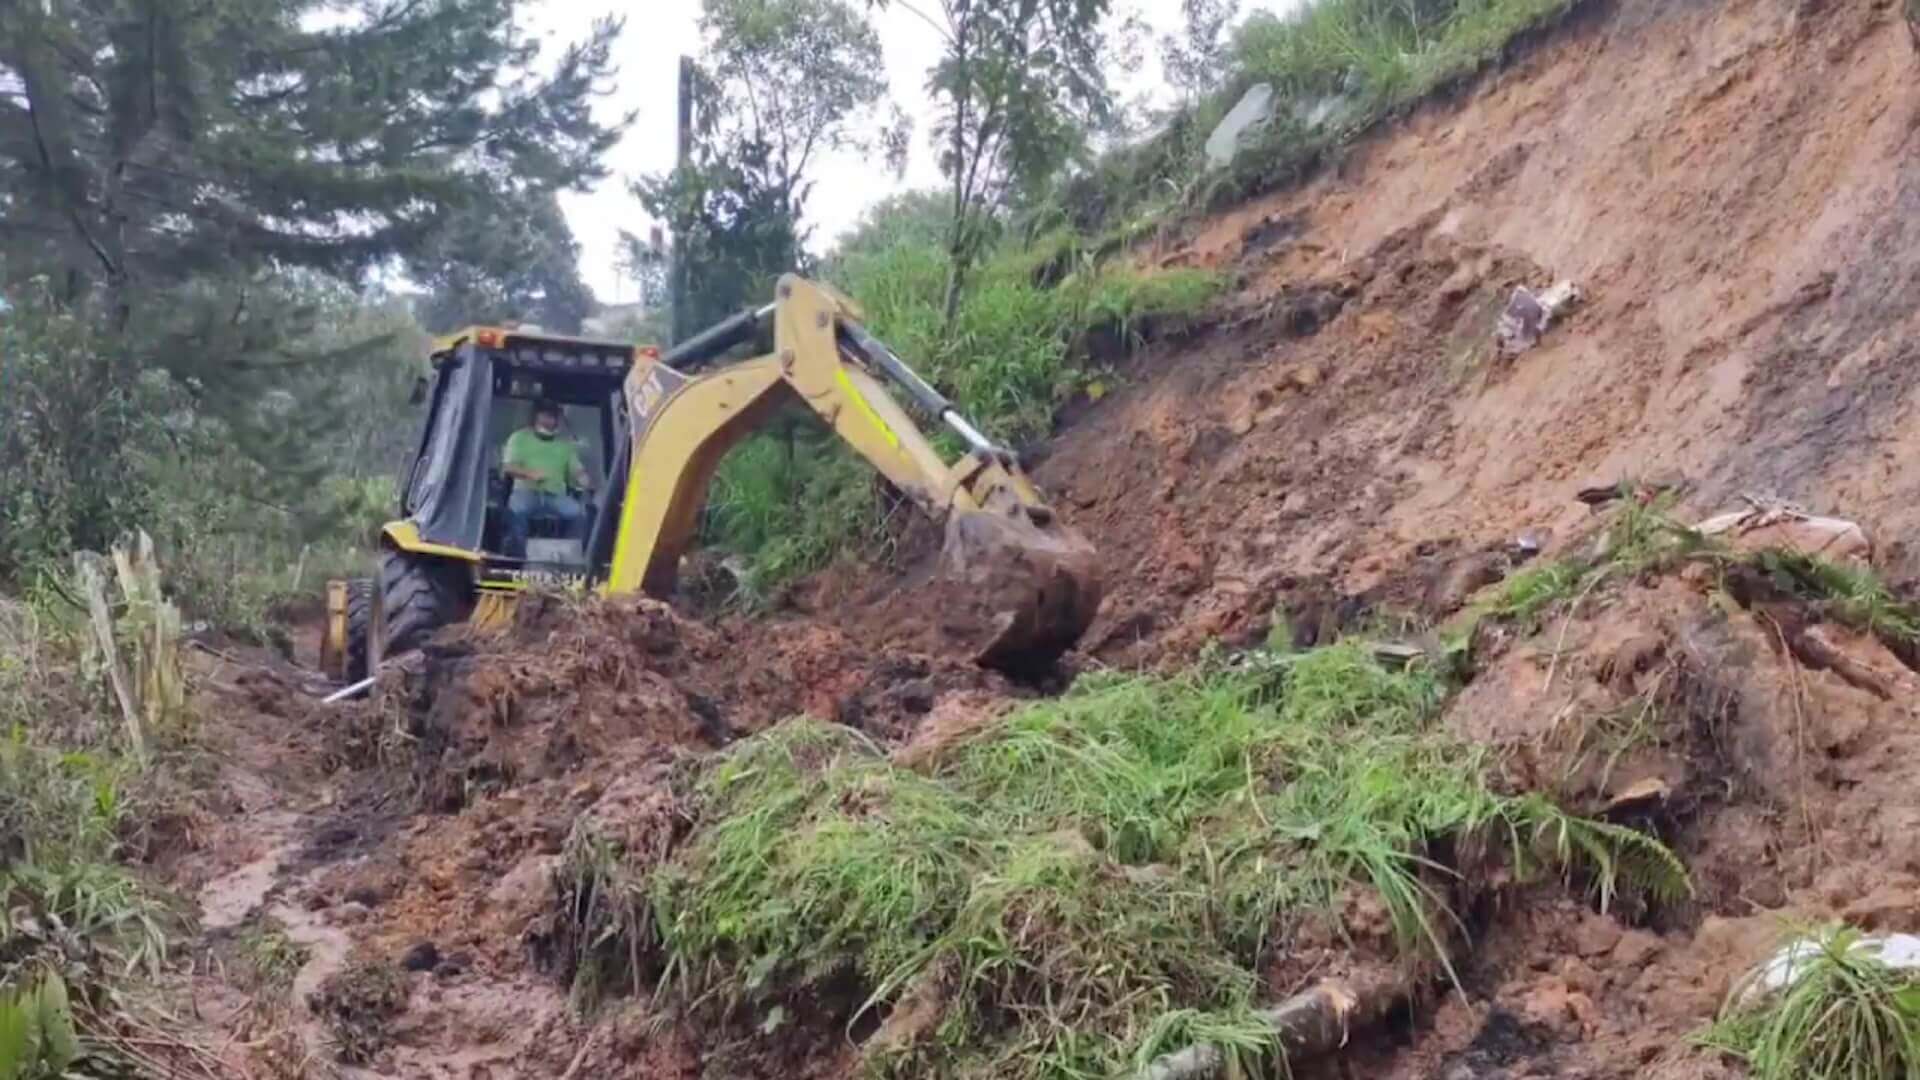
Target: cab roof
[499,337]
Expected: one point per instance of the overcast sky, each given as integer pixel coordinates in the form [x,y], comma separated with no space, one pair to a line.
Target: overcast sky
[659,31]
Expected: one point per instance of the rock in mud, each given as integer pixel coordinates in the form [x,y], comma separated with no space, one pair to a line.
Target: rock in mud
[423,956]
[1252,112]
[1461,579]
[1529,315]
[1900,952]
[1786,528]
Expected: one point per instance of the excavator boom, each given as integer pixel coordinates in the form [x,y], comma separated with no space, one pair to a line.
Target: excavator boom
[1019,586]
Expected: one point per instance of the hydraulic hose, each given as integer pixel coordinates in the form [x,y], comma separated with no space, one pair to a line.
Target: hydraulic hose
[717,339]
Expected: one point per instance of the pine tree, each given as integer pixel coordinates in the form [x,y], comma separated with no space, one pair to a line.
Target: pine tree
[191,197]
[147,142]
[489,265]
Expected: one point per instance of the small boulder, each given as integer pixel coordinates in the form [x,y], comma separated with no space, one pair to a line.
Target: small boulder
[423,956]
[1529,315]
[1253,111]
[1766,525]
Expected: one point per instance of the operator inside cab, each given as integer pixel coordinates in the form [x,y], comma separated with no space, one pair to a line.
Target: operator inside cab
[543,467]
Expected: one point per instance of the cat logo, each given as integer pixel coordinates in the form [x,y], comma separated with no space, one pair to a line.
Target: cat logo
[645,400]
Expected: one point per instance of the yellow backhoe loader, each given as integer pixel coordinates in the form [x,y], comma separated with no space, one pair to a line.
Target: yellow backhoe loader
[1018,586]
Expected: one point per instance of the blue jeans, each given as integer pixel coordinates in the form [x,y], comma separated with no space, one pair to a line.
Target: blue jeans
[523,506]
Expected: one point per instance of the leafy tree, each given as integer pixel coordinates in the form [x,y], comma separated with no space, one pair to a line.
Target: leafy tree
[1196,58]
[735,230]
[144,142]
[779,83]
[801,77]
[490,264]
[1018,85]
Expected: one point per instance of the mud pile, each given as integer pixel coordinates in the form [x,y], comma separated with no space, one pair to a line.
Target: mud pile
[588,688]
[1775,749]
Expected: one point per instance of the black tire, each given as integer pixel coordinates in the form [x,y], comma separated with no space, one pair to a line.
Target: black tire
[422,594]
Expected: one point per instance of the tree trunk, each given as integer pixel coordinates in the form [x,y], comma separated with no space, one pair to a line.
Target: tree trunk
[955,274]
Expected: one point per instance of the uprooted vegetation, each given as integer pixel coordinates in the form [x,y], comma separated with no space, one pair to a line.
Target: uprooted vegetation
[1845,1014]
[1084,886]
[1643,539]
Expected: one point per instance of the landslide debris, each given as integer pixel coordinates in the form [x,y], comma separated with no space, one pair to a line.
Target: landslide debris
[1079,887]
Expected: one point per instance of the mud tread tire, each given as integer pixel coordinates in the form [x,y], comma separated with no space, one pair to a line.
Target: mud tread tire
[421,597]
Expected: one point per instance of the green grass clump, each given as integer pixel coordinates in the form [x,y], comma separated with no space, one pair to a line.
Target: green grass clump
[1642,538]
[1099,876]
[1849,594]
[790,504]
[1527,595]
[61,816]
[1845,1016]
[1128,300]
[819,856]
[274,958]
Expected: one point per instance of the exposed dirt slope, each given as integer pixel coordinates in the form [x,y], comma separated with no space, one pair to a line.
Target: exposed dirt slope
[1734,186]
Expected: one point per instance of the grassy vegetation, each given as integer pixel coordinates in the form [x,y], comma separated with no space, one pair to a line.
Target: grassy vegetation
[1847,1015]
[1338,68]
[273,958]
[789,503]
[1640,539]
[1848,594]
[77,808]
[1089,884]
[1643,538]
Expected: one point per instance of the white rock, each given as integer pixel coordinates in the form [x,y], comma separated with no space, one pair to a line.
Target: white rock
[1252,111]
[1901,952]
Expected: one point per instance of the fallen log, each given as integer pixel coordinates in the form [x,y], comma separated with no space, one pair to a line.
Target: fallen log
[1314,1022]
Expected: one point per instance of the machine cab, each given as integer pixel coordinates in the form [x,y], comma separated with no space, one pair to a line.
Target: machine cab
[458,494]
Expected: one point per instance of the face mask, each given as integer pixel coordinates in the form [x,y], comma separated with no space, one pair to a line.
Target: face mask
[545,430]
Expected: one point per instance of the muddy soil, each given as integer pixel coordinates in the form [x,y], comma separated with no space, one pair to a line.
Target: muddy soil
[406,844]
[1734,187]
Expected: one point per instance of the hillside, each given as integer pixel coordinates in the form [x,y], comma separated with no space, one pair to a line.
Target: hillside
[467,871]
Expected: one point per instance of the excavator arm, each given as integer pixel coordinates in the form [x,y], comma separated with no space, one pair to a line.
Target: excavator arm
[1020,586]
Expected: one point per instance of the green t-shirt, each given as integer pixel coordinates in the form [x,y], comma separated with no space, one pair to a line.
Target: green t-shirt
[554,459]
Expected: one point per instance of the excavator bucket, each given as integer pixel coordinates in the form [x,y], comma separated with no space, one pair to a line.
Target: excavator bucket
[1020,587]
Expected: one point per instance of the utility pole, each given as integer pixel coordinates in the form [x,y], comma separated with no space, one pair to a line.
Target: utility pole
[683,227]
